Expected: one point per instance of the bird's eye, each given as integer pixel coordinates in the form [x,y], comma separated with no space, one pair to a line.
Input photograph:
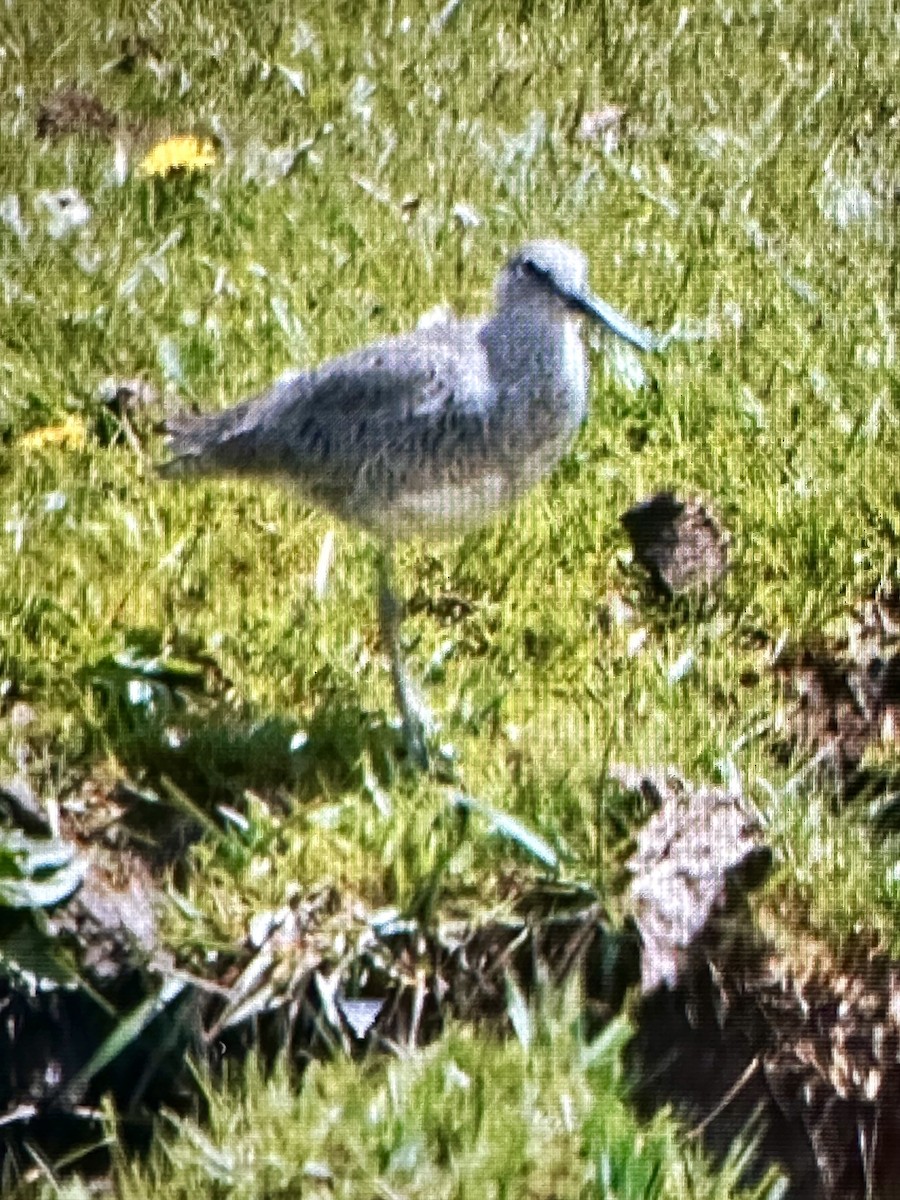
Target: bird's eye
[528,266]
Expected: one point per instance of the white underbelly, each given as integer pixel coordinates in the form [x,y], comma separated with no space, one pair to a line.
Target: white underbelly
[449,509]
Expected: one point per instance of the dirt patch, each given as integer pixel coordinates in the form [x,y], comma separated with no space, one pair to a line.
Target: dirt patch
[735,1037]
[681,545]
[72,110]
[841,695]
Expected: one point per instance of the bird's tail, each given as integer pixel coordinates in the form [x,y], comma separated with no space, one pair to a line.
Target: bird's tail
[205,445]
[245,439]
[188,438]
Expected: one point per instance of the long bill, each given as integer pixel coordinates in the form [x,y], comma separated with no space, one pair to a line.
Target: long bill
[616,322]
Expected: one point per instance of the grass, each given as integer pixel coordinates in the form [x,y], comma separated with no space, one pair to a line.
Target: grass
[754,197]
[466,1117]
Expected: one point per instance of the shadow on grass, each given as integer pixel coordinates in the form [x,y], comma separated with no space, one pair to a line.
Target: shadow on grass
[184,743]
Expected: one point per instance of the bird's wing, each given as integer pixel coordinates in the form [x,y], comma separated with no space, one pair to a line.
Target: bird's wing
[338,416]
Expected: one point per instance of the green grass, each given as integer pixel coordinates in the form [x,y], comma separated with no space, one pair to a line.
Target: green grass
[748,127]
[466,1117]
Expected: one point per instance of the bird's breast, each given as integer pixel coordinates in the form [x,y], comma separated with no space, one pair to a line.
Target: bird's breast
[573,372]
[533,407]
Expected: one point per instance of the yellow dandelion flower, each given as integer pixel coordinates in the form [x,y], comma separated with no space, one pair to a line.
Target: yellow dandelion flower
[182,153]
[71,435]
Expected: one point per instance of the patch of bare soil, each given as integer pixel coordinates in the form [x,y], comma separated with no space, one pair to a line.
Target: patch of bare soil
[842,694]
[734,1037]
[72,110]
[680,544]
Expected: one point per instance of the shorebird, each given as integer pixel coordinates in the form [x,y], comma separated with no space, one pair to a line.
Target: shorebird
[431,432]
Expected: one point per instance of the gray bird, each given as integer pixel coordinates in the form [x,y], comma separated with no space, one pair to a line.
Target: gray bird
[430,432]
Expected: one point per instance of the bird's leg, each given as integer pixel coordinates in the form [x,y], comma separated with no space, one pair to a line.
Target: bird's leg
[413,710]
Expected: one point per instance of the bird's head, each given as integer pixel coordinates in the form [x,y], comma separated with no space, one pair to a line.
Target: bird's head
[553,276]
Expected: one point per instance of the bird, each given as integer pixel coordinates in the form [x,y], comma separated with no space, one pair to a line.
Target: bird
[427,433]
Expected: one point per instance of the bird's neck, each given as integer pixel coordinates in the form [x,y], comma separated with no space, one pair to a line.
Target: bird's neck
[542,355]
